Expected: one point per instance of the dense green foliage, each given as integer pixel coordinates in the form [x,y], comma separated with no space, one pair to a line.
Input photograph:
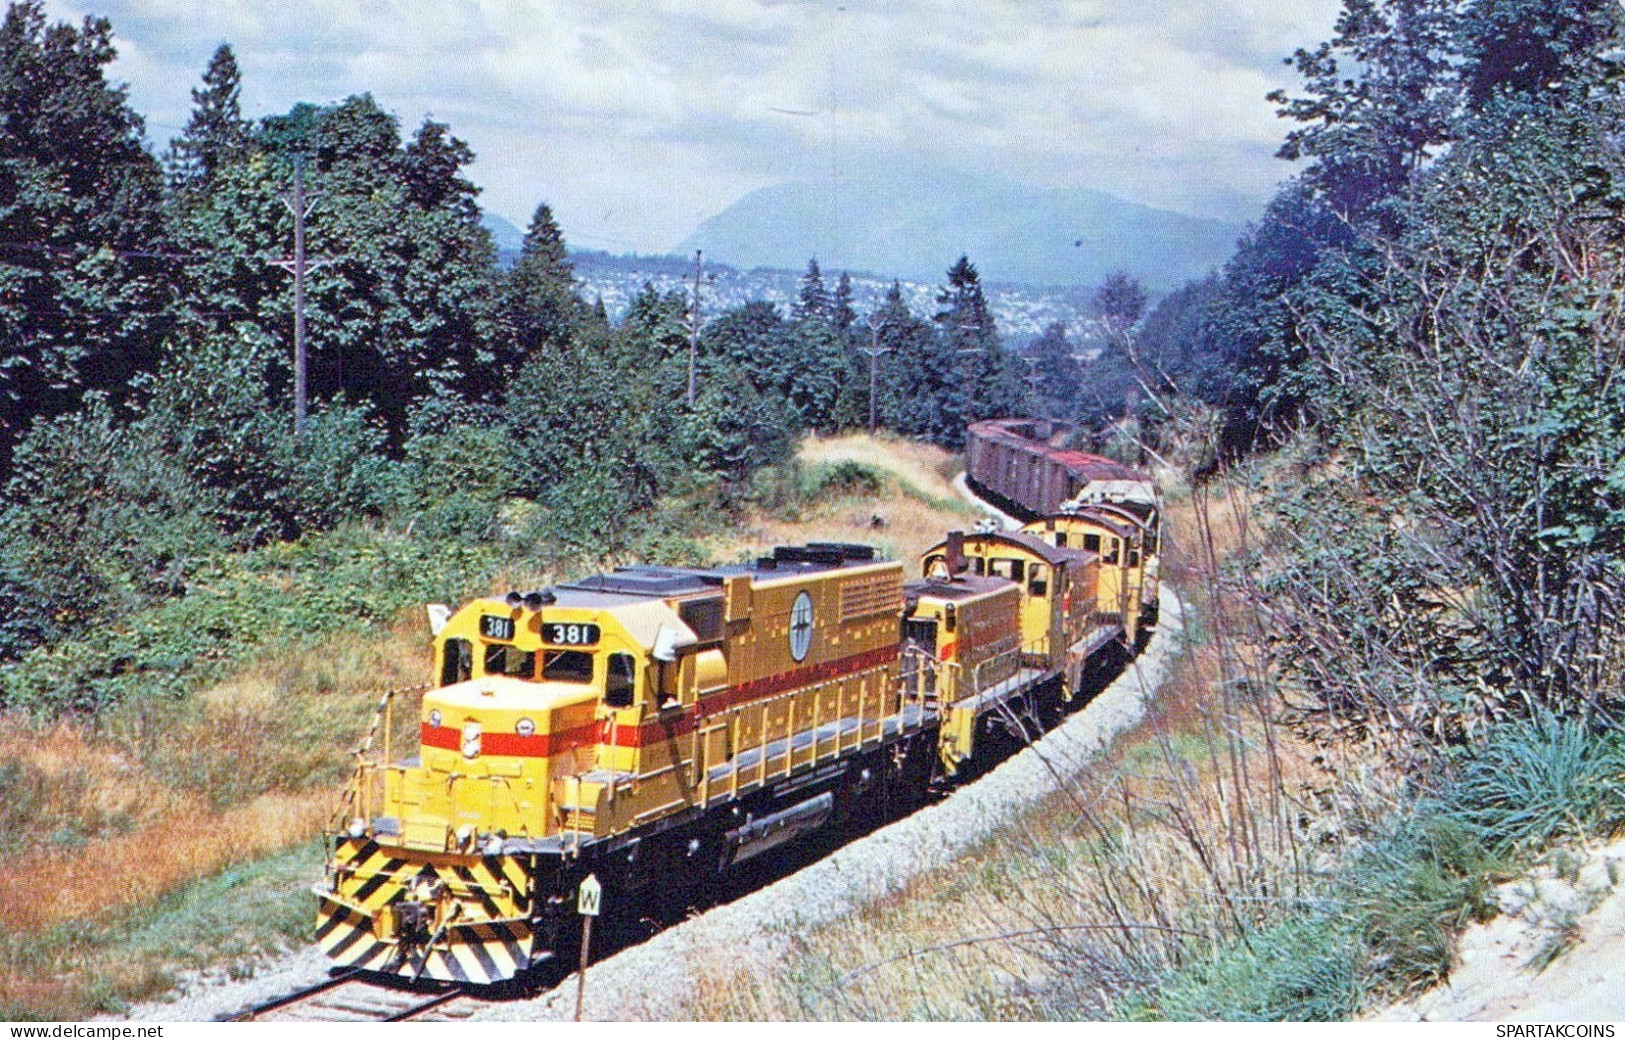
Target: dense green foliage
[84,259]
[1434,305]
[1430,318]
[463,415]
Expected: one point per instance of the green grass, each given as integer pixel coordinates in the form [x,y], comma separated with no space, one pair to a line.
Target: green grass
[1542,779]
[1306,969]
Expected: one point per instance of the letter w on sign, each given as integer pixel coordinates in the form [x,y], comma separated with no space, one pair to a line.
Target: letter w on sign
[589,897]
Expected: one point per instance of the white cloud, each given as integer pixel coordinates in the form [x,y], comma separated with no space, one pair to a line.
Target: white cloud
[637,120]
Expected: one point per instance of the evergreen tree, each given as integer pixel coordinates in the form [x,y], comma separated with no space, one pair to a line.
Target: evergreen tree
[1266,285]
[83,271]
[916,378]
[659,322]
[1119,304]
[821,377]
[842,316]
[540,303]
[984,382]
[216,131]
[813,302]
[1057,377]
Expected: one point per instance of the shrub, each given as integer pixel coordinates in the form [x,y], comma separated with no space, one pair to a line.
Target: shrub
[844,478]
[337,471]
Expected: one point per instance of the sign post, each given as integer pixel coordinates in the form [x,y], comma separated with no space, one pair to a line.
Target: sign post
[588,899]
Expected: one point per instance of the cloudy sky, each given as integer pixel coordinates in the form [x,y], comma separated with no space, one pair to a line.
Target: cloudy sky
[636,119]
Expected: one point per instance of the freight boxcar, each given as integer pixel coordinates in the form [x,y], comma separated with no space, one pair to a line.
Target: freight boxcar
[1021,466]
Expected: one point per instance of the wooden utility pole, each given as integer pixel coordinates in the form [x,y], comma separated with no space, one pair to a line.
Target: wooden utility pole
[299,203]
[1034,380]
[874,350]
[694,322]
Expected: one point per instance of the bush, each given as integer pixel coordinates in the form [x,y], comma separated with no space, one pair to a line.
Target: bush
[457,451]
[100,522]
[845,478]
[337,471]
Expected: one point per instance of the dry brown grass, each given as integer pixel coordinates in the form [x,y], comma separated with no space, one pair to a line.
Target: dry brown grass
[912,513]
[60,779]
[167,794]
[183,844]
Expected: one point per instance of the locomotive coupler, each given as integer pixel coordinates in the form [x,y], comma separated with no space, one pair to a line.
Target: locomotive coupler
[412,920]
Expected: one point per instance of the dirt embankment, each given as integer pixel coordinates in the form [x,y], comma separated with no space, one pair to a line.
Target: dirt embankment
[1556,952]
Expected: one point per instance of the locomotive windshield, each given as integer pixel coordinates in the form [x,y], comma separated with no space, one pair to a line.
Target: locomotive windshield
[572,666]
[503,659]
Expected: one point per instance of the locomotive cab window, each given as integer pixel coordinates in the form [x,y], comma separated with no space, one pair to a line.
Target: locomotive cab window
[1007,568]
[1110,555]
[1091,543]
[618,685]
[456,662]
[510,660]
[921,632]
[1060,539]
[1037,583]
[978,566]
[573,666]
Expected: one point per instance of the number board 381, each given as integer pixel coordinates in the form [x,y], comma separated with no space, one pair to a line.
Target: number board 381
[570,633]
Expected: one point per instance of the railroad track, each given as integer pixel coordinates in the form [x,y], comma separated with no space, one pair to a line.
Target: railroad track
[352,996]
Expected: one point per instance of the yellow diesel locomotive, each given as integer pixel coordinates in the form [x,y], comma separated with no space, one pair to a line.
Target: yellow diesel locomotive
[654,726]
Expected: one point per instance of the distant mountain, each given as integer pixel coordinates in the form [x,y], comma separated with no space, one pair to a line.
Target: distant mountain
[507,236]
[916,230]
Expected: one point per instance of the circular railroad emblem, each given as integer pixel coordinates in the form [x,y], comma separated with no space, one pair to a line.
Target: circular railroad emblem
[801,626]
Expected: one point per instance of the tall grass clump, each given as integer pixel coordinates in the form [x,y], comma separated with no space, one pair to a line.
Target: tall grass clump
[1302,970]
[1544,778]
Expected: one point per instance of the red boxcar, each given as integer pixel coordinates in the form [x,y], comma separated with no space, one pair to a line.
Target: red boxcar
[1018,465]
